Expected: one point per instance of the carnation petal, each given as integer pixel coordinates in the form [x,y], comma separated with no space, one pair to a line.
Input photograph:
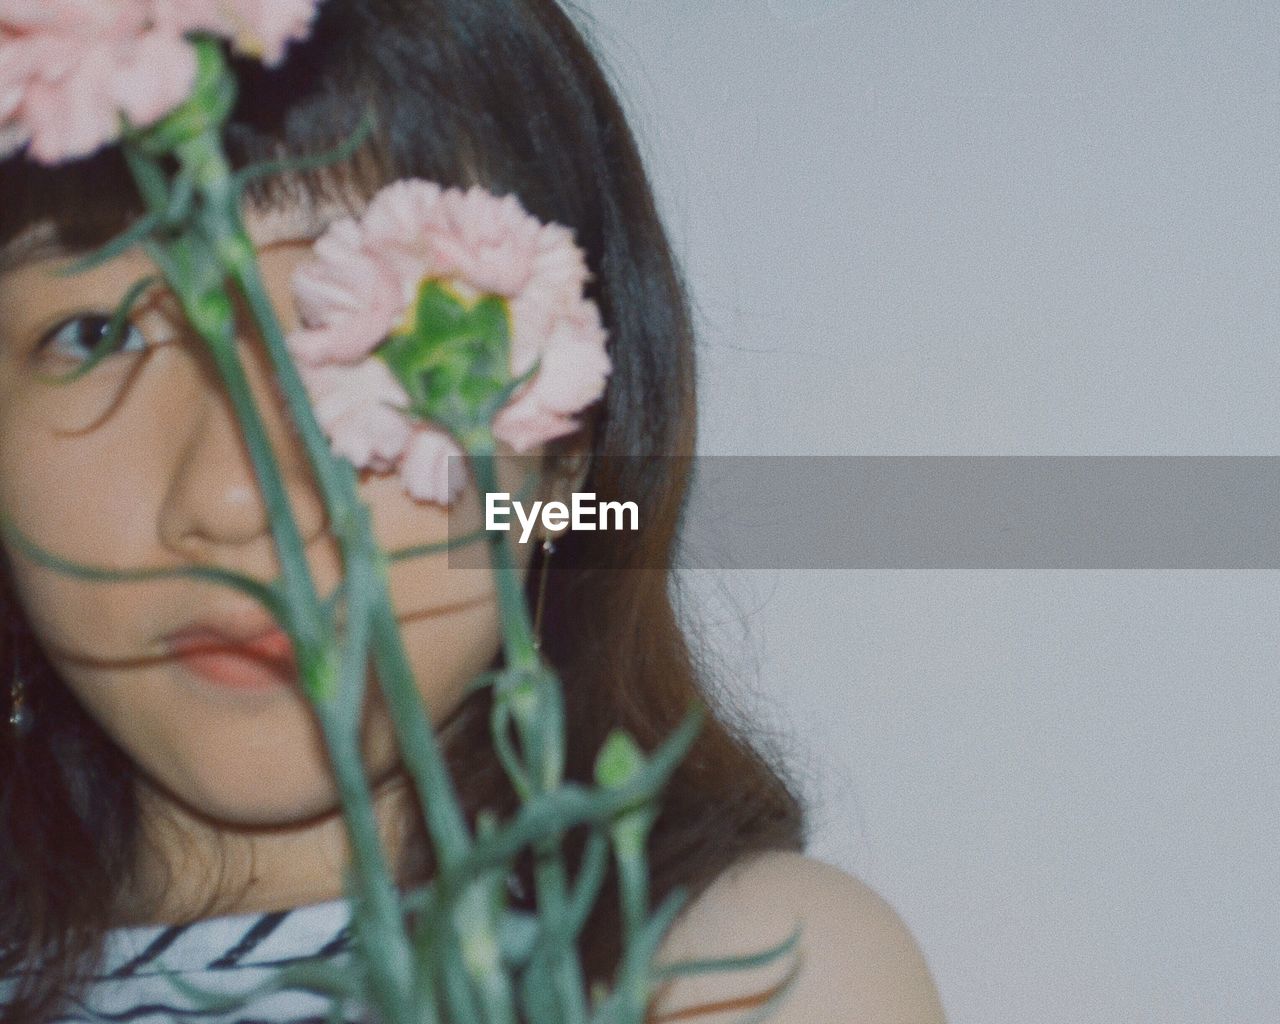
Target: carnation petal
[71,120]
[256,28]
[25,15]
[70,68]
[351,405]
[398,225]
[571,376]
[525,423]
[426,469]
[348,300]
[371,437]
[154,79]
[370,271]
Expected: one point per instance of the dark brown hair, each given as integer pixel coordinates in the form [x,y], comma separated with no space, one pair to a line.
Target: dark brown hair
[506,92]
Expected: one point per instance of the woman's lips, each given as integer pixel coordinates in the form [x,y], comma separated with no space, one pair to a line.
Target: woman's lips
[265,662]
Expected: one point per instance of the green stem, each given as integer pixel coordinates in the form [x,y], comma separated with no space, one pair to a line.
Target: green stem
[420,747]
[423,759]
[633,885]
[243,267]
[301,597]
[389,959]
[219,228]
[422,755]
[480,953]
[550,875]
[211,313]
[517,627]
[392,967]
[218,238]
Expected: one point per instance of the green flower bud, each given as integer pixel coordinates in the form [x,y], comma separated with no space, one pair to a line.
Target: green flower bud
[452,357]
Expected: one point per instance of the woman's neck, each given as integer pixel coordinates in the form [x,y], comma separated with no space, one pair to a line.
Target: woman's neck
[187,867]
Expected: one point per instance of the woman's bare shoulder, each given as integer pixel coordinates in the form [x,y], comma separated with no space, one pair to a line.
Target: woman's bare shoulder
[856,961]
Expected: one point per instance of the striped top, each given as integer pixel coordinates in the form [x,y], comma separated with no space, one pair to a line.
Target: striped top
[226,955]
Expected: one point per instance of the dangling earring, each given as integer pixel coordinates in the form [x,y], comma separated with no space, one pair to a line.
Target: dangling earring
[548,546]
[21,718]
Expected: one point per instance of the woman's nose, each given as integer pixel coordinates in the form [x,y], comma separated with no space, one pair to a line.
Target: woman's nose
[214,512]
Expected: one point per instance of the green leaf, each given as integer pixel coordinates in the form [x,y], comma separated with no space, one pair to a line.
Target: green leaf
[629,997]
[420,550]
[537,994]
[620,760]
[677,744]
[117,246]
[572,804]
[765,1011]
[265,594]
[359,590]
[516,382]
[181,200]
[484,679]
[293,165]
[737,963]
[590,878]
[517,932]
[149,177]
[499,728]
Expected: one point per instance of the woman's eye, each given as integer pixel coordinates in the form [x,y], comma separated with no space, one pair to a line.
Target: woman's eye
[76,337]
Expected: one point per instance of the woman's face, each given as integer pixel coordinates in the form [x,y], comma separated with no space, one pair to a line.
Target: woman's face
[140,463]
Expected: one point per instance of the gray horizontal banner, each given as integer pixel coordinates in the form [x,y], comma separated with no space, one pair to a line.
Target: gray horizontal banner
[967,512]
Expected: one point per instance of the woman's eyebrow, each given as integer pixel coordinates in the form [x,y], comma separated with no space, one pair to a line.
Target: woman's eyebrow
[33,245]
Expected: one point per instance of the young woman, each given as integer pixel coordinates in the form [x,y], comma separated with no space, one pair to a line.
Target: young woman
[151,815]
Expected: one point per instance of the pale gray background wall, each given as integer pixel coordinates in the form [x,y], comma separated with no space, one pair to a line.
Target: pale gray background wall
[1000,228]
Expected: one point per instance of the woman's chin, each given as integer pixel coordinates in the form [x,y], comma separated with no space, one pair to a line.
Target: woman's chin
[273,788]
[228,797]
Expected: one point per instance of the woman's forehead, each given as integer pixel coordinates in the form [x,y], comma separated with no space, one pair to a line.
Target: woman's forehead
[300,219]
[294,221]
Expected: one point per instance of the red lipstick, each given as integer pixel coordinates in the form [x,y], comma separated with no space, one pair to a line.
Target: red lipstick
[239,662]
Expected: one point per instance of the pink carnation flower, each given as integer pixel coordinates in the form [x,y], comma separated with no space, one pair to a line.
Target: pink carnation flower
[362,283]
[70,68]
[257,28]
